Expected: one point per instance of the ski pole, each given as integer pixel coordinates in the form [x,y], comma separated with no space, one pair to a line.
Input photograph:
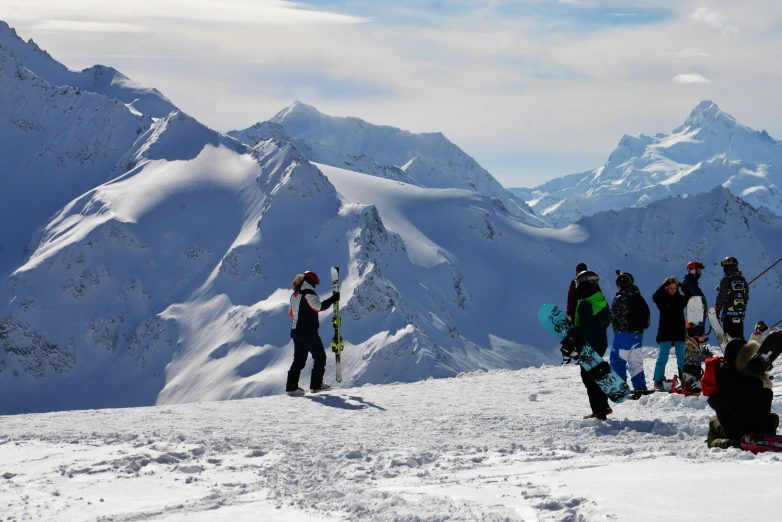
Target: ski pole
[773,325]
[764,271]
[766,310]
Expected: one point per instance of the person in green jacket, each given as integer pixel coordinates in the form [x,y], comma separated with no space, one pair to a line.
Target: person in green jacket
[592,319]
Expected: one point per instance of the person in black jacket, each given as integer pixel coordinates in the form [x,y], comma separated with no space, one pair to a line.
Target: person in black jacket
[629,317]
[591,321]
[743,401]
[690,281]
[672,329]
[732,298]
[304,310]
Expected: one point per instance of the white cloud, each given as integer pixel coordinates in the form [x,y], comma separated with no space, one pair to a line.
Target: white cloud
[690,78]
[690,52]
[254,12]
[714,19]
[89,27]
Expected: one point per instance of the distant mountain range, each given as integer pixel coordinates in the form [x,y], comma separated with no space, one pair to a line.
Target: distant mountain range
[710,149]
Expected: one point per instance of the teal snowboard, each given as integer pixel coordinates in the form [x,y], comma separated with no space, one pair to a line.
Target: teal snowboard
[554,320]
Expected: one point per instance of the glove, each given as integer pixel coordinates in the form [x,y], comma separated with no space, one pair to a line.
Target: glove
[758,364]
[568,349]
[718,309]
[335,296]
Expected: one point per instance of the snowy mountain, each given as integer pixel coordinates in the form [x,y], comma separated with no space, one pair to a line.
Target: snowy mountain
[425,160]
[55,143]
[99,79]
[159,254]
[708,150]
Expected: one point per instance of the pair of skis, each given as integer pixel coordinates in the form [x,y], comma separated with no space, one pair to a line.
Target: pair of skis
[337,344]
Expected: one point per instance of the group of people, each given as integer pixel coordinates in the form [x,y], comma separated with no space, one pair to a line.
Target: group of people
[743,402]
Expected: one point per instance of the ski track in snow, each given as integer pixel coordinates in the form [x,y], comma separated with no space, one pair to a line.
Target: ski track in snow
[503,445]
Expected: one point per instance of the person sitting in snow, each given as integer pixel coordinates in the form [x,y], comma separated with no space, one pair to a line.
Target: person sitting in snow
[629,318]
[591,319]
[743,401]
[572,295]
[304,310]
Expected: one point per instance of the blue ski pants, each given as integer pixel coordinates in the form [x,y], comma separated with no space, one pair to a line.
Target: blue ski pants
[662,358]
[627,355]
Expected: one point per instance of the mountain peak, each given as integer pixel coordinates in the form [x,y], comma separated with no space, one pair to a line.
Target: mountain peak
[297,108]
[706,114]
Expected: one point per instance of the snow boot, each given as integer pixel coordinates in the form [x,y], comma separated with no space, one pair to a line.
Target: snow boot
[298,392]
[659,386]
[600,414]
[322,388]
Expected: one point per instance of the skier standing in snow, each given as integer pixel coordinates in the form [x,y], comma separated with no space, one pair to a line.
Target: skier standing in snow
[690,281]
[672,329]
[732,298]
[572,295]
[304,310]
[743,401]
[629,317]
[590,323]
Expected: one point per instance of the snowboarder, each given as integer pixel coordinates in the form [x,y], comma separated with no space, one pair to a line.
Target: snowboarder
[743,401]
[732,298]
[590,323]
[630,317]
[690,281]
[304,310]
[572,295]
[671,331]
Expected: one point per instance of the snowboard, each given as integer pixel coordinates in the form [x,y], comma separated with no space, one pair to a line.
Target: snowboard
[722,337]
[336,342]
[771,348]
[554,320]
[758,443]
[694,352]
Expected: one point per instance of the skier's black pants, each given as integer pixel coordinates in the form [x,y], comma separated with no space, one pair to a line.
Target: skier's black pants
[303,345]
[597,398]
[735,330]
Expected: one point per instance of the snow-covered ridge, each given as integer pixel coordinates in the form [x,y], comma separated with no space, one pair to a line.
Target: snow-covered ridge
[427,160]
[711,148]
[56,143]
[98,79]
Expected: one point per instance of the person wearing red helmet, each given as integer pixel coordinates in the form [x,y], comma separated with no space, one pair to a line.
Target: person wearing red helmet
[304,309]
[690,281]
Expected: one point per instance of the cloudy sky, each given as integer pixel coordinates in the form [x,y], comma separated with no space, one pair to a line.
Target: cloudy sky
[533,89]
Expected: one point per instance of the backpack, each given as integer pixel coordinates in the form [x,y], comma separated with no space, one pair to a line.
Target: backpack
[709,380]
[737,294]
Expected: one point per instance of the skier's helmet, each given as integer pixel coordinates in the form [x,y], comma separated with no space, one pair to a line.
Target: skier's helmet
[624,279]
[311,277]
[729,262]
[587,276]
[760,326]
[692,266]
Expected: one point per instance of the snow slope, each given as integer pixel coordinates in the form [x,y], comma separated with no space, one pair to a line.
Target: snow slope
[711,148]
[55,143]
[99,79]
[427,160]
[497,446]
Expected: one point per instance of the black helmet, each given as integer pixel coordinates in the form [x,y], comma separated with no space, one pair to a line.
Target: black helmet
[760,326]
[587,276]
[729,262]
[624,279]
